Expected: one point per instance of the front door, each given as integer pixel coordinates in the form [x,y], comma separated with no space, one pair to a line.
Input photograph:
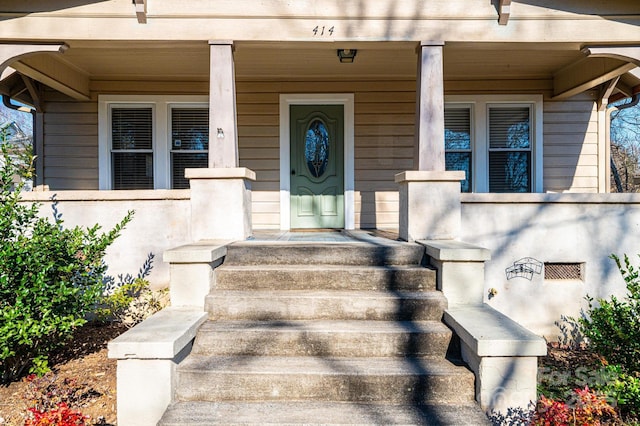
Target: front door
[317,166]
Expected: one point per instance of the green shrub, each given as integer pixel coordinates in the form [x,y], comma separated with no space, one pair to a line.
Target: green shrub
[621,388]
[50,277]
[612,326]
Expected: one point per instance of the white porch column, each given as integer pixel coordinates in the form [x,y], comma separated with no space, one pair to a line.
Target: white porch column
[429,196]
[221,193]
[429,144]
[223,126]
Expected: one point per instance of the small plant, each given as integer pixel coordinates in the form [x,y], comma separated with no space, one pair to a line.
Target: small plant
[623,389]
[61,415]
[130,300]
[48,392]
[584,408]
[517,416]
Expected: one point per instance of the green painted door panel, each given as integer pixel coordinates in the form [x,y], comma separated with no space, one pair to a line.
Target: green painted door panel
[317,166]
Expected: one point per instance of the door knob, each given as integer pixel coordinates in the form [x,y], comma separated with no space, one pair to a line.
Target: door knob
[293,172]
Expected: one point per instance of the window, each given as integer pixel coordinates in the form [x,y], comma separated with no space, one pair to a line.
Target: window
[147,142]
[496,140]
[132,147]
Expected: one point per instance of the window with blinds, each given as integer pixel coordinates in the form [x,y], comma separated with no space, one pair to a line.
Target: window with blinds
[189,142]
[457,142]
[132,148]
[509,148]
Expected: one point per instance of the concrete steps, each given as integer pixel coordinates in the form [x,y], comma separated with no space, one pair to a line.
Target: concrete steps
[319,413]
[331,333]
[323,338]
[288,305]
[368,253]
[328,277]
[310,378]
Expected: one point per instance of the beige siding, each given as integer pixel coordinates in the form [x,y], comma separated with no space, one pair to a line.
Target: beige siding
[384,128]
[571,145]
[70,156]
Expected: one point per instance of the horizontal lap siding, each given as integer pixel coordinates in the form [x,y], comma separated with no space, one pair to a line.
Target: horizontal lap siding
[384,136]
[571,145]
[70,156]
[259,150]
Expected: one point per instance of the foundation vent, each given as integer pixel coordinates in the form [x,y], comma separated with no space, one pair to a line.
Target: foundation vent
[564,271]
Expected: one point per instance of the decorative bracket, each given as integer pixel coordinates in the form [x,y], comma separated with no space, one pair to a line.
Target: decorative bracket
[504,10]
[141,10]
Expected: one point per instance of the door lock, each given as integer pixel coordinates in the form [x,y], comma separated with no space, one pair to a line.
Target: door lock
[293,172]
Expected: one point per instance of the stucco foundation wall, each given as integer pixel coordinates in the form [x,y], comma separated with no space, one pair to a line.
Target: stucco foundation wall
[571,228]
[160,222]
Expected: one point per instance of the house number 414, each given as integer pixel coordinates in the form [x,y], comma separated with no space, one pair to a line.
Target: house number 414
[322,30]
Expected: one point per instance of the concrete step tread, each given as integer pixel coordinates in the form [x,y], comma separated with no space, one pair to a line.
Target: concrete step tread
[339,304]
[326,366]
[316,413]
[322,267]
[311,252]
[330,294]
[325,326]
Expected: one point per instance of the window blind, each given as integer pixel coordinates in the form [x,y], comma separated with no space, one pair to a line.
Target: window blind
[132,148]
[509,149]
[189,142]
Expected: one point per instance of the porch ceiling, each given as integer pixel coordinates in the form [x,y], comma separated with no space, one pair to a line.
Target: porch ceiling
[254,61]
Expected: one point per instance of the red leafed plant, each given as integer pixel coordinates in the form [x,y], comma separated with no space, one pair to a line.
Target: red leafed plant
[61,415]
[585,409]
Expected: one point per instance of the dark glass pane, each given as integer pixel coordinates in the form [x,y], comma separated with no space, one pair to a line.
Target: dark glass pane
[457,128]
[132,170]
[181,161]
[189,129]
[460,161]
[316,150]
[509,128]
[131,128]
[510,171]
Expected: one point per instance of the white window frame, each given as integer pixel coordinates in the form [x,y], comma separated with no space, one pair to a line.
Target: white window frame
[479,105]
[161,105]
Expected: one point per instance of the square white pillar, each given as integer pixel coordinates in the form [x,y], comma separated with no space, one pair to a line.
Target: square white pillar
[429,144]
[430,206]
[220,203]
[223,125]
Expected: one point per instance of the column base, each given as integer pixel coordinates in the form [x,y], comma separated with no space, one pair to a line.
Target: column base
[220,203]
[429,204]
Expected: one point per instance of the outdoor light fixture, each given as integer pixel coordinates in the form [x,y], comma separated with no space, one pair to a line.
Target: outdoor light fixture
[220,133]
[347,56]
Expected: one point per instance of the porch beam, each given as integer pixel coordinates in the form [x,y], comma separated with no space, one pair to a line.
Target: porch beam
[34,92]
[586,74]
[223,125]
[11,52]
[622,53]
[429,143]
[55,74]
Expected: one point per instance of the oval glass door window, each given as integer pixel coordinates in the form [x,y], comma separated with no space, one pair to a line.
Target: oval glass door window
[316,149]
